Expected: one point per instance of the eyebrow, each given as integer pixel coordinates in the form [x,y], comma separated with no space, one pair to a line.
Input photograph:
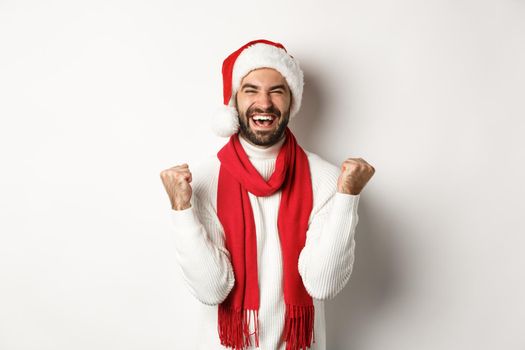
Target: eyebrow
[280,86]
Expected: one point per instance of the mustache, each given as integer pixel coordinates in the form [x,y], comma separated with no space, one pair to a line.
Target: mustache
[270,110]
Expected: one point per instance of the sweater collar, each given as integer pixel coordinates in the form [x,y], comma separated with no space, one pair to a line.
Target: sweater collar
[261,152]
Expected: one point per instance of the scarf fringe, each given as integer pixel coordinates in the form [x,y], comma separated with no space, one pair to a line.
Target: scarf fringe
[299,326]
[234,327]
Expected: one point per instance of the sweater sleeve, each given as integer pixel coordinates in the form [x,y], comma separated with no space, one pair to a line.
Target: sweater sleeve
[327,259]
[201,254]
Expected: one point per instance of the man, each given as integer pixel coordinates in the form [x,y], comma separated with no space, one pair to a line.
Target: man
[265,230]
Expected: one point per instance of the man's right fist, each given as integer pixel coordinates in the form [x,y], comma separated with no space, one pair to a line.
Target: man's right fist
[176,181]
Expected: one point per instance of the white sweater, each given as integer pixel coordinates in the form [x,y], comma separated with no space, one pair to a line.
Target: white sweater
[325,263]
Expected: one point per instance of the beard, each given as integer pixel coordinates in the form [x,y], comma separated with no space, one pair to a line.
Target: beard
[260,138]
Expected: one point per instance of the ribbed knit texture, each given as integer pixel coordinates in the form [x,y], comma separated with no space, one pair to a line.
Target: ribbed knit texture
[325,263]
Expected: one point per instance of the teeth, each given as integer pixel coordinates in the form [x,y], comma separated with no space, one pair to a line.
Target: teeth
[262,117]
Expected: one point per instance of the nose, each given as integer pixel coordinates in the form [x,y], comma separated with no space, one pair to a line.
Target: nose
[264,100]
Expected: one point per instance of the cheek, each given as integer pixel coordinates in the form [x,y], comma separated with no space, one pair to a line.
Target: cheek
[283,102]
[243,104]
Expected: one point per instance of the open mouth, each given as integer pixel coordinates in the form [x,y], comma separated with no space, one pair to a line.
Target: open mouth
[263,121]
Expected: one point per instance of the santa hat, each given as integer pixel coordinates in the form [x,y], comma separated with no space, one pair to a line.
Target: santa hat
[255,54]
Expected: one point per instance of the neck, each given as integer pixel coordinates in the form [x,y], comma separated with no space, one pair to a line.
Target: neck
[262,152]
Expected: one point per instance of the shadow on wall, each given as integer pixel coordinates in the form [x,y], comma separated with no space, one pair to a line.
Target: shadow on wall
[374,285]
[311,116]
[375,278]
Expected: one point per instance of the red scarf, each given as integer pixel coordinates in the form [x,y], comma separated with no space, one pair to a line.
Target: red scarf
[237,177]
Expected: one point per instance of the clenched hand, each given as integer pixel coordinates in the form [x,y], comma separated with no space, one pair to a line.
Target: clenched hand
[176,181]
[355,173]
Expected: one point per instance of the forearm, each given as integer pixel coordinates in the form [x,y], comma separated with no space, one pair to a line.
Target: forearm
[326,262]
[205,265]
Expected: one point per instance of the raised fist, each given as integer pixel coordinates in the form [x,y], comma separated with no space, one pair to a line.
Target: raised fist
[176,181]
[355,173]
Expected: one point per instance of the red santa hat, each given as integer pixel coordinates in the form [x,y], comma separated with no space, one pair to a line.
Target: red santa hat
[253,55]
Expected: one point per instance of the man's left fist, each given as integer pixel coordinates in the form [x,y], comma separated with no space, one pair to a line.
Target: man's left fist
[355,173]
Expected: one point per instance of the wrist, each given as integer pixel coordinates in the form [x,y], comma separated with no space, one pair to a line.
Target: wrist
[181,206]
[348,191]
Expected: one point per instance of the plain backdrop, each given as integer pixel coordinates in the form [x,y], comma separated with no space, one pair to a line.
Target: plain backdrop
[98,97]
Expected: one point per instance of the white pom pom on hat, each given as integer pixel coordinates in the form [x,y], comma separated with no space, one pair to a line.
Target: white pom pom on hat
[255,54]
[225,122]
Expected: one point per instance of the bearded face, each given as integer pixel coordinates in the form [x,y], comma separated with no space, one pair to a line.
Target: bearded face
[263,104]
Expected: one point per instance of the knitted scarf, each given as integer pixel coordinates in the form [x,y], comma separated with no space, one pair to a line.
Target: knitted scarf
[237,177]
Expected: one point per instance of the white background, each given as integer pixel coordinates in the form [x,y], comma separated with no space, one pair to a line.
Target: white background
[97,97]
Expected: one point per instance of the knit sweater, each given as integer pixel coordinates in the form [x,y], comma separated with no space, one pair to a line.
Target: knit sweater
[325,263]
